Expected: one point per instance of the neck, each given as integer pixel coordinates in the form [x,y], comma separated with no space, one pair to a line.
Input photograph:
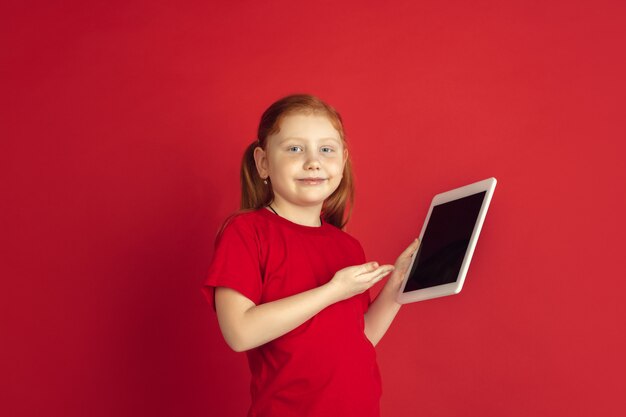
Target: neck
[305,216]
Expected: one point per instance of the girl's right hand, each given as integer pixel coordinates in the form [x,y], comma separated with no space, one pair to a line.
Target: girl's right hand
[354,280]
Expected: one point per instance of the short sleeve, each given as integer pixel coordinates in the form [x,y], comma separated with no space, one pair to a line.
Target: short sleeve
[365,297]
[235,262]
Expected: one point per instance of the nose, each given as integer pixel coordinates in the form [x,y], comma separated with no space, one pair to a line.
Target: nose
[312,161]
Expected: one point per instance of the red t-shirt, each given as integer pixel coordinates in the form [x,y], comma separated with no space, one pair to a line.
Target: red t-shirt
[324,367]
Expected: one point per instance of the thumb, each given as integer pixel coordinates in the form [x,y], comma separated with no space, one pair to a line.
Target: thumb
[412,248]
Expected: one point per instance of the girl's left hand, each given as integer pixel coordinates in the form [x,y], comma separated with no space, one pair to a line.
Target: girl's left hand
[402,265]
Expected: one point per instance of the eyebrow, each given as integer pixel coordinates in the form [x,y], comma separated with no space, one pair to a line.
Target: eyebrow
[320,139]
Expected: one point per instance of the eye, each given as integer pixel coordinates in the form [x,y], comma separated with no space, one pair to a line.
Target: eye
[294,149]
[327,149]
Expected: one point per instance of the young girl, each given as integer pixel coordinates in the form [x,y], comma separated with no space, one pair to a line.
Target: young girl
[289,286]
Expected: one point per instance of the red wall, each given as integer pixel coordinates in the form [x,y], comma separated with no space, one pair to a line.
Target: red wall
[122,128]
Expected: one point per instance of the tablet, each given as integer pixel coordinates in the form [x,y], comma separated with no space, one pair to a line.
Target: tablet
[447,242]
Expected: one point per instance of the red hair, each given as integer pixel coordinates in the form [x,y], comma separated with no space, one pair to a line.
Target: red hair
[256,194]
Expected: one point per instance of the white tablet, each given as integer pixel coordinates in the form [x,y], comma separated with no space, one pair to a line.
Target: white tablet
[447,242]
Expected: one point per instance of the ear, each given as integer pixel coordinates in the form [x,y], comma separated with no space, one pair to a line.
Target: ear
[345,156]
[260,159]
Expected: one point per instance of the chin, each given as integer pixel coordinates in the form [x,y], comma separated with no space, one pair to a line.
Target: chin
[311,203]
[320,198]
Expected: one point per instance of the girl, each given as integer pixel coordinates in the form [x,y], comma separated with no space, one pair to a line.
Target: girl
[290,287]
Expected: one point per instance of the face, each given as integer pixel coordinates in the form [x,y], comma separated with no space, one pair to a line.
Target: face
[304,161]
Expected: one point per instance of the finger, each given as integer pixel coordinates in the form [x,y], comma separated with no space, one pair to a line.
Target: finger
[378,273]
[411,248]
[379,277]
[367,268]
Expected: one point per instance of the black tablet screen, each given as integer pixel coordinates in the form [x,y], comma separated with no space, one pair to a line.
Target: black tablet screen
[444,243]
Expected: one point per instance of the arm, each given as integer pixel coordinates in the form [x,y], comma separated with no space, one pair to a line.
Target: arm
[246,325]
[384,309]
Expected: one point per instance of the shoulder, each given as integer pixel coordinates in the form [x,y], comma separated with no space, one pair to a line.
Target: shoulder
[345,237]
[341,233]
[244,222]
[242,218]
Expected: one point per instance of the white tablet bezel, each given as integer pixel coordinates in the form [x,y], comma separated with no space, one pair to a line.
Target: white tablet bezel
[488,186]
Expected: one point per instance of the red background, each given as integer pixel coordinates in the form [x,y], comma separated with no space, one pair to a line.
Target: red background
[123,124]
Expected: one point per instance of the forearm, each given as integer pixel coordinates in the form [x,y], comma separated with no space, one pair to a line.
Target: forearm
[381,313]
[266,322]
[385,308]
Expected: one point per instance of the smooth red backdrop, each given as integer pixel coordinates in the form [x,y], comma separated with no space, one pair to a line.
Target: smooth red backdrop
[122,127]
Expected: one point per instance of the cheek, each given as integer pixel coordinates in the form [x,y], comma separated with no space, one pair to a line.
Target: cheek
[284,167]
[336,166]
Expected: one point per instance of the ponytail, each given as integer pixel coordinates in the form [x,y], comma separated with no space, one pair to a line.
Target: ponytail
[334,208]
[254,192]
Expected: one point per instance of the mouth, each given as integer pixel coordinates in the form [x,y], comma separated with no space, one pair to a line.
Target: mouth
[311,181]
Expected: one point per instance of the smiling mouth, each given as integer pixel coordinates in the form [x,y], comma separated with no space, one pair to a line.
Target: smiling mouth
[312,181]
